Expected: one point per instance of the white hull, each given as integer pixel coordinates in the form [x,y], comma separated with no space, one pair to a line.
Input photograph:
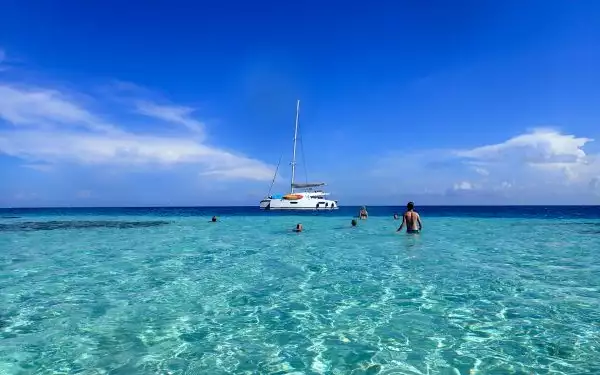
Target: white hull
[305,203]
[300,209]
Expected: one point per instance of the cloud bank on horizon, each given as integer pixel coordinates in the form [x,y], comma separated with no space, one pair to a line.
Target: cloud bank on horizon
[100,142]
[540,166]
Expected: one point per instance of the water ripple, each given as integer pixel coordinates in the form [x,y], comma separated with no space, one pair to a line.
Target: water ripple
[246,296]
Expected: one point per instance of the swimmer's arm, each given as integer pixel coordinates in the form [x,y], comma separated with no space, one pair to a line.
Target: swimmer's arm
[419,221]
[402,225]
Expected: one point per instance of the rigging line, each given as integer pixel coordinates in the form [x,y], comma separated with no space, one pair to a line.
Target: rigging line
[275,175]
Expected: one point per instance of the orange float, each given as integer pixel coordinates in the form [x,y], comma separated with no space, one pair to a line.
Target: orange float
[292,197]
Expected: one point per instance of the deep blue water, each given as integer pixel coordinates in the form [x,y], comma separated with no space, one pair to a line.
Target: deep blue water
[483,290]
[538,212]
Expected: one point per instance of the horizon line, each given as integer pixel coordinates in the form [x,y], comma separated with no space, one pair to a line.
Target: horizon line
[258,209]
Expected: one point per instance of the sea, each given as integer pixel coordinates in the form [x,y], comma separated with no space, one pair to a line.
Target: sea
[482,290]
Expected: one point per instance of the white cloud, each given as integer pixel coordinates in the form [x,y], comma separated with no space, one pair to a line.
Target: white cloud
[39,107]
[248,172]
[175,114]
[537,147]
[545,151]
[537,164]
[465,185]
[127,149]
[52,128]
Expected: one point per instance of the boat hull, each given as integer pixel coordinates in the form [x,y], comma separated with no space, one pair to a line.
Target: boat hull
[299,209]
[303,204]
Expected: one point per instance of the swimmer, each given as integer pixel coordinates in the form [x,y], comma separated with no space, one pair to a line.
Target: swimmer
[395,216]
[354,222]
[214,219]
[411,219]
[298,228]
[363,214]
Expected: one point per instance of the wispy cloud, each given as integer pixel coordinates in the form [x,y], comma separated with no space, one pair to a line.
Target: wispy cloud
[49,126]
[39,107]
[175,114]
[8,62]
[40,167]
[481,171]
[128,149]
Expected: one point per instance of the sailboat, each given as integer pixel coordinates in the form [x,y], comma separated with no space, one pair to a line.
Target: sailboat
[307,196]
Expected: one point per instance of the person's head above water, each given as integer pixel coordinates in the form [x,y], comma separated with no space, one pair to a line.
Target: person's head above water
[410,206]
[354,222]
[214,219]
[298,228]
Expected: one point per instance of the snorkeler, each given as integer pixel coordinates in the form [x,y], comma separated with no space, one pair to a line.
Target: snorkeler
[411,219]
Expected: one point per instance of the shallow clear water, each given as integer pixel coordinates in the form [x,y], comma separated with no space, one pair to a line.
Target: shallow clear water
[473,294]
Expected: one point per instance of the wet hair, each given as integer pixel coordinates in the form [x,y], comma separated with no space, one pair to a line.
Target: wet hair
[410,206]
[214,219]
[354,222]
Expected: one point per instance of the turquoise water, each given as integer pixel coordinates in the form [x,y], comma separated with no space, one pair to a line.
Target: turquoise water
[161,292]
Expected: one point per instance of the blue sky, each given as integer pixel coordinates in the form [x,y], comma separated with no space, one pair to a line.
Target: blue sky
[134,103]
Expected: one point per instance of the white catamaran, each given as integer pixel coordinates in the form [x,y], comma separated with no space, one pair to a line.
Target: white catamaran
[302,196]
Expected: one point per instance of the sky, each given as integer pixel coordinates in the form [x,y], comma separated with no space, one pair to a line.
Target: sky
[192,103]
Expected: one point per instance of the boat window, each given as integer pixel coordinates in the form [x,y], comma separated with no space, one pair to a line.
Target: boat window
[293,202]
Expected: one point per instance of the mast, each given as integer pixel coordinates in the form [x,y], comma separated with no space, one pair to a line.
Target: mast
[295,138]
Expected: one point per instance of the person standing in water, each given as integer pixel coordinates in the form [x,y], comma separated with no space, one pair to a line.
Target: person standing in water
[363,214]
[411,219]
